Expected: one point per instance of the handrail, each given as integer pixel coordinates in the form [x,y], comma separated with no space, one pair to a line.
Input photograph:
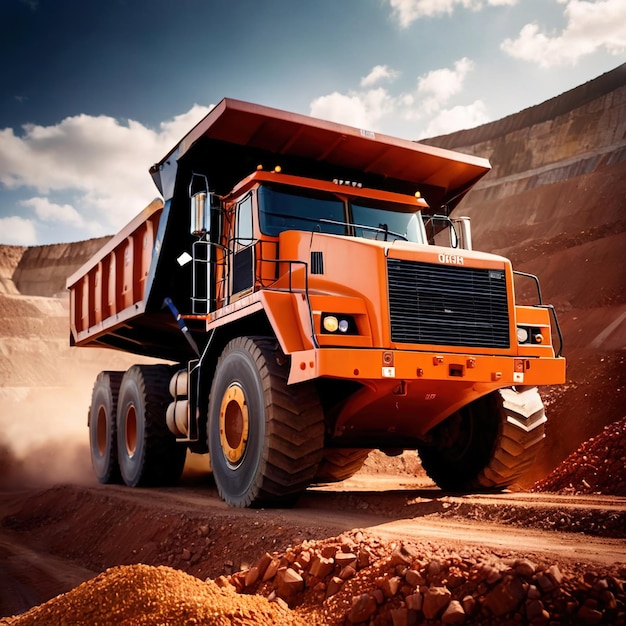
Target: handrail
[536,281]
[549,307]
[291,289]
[258,281]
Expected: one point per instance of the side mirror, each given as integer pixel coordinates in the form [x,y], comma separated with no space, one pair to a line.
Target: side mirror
[464,232]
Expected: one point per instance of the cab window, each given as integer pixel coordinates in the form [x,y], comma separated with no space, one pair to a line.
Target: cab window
[243,231]
[286,209]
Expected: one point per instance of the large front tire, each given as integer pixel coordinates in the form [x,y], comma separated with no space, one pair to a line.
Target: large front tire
[265,438]
[103,427]
[489,444]
[147,449]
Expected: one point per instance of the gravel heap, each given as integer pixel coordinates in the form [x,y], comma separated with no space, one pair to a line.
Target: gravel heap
[143,594]
[352,579]
[358,579]
[597,466]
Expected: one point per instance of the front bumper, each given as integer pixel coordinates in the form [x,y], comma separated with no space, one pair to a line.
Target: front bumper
[404,365]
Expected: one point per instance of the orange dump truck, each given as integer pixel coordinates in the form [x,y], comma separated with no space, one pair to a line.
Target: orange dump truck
[312,298]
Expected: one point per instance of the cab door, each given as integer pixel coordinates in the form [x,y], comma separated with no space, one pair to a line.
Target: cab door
[242,268]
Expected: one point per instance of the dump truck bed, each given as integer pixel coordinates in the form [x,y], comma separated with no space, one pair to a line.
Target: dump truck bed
[107,294]
[116,299]
[241,135]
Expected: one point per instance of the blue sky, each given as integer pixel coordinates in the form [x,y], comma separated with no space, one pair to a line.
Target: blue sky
[95,92]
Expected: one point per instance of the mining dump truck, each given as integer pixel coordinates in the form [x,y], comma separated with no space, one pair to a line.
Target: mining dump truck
[310,296]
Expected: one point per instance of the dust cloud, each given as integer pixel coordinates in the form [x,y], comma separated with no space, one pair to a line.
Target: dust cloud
[44,437]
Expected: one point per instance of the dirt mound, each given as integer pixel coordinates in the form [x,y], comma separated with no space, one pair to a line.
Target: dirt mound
[597,466]
[142,594]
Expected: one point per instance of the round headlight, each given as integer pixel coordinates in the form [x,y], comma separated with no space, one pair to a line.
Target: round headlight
[522,335]
[331,323]
[343,326]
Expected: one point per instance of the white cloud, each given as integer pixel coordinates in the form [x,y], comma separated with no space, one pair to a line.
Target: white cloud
[49,211]
[407,11]
[17,231]
[99,159]
[64,214]
[376,109]
[457,118]
[379,73]
[590,26]
[438,86]
[360,109]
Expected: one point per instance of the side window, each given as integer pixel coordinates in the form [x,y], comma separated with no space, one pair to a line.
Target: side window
[243,260]
[244,222]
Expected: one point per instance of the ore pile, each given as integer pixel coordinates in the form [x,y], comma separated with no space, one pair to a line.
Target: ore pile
[142,594]
[356,579]
[597,466]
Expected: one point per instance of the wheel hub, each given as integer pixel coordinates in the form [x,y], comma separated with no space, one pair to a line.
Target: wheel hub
[101,430]
[131,431]
[234,423]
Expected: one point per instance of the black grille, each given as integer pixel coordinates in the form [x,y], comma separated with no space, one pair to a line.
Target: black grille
[447,305]
[317,262]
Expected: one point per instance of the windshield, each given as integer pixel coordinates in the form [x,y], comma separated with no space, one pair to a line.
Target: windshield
[282,210]
[375,223]
[289,208]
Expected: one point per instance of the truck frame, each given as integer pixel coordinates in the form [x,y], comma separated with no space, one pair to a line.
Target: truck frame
[311,297]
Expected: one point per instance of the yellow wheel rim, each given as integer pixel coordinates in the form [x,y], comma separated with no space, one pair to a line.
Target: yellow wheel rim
[234,423]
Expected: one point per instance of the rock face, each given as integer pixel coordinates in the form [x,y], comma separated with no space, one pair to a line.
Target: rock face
[43,270]
[9,258]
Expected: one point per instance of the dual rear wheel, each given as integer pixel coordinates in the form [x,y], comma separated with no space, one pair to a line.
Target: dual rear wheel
[129,438]
[265,439]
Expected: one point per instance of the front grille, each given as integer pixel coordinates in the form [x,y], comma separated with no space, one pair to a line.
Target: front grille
[447,305]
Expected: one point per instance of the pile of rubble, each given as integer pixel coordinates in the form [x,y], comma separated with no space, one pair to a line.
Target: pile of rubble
[597,466]
[351,579]
[357,579]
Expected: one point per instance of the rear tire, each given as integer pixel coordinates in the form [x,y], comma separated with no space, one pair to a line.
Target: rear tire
[265,438]
[103,427]
[340,464]
[488,444]
[147,450]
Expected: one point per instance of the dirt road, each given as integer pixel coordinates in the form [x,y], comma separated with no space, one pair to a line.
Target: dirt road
[54,538]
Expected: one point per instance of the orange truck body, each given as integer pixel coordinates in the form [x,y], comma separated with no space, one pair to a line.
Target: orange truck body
[408,369]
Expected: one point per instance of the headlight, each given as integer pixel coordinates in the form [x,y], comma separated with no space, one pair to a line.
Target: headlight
[343,326]
[530,335]
[330,323]
[335,322]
